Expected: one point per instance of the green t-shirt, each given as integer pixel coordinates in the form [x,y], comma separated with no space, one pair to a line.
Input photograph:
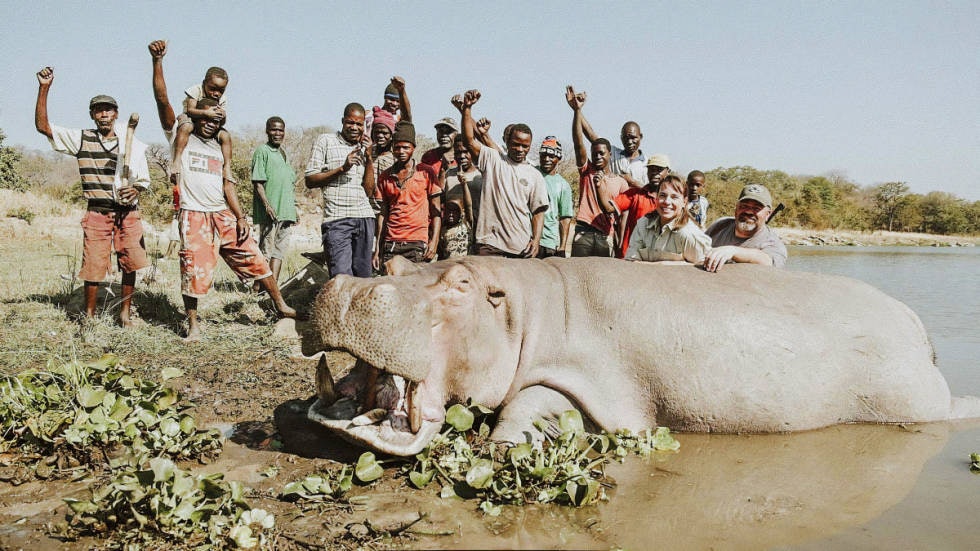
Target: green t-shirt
[269,165]
[560,199]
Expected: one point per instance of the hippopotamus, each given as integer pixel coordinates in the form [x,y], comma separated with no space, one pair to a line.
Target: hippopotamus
[750,349]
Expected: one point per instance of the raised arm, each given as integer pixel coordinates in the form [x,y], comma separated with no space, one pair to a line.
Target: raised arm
[406,107]
[44,79]
[586,127]
[483,135]
[576,101]
[464,102]
[158,49]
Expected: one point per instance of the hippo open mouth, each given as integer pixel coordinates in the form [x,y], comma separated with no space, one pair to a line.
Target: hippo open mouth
[377,409]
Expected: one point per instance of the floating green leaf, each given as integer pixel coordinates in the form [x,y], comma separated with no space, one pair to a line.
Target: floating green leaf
[460,417]
[480,474]
[368,469]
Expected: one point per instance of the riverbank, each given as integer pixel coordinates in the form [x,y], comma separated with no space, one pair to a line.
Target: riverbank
[852,238]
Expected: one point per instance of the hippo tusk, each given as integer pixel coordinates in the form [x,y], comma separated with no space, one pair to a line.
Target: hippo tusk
[370,392]
[324,383]
[414,408]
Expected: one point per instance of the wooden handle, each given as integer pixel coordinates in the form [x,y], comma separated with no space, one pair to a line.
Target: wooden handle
[134,119]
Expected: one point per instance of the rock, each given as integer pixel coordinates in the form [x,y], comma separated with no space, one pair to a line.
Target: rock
[285,329]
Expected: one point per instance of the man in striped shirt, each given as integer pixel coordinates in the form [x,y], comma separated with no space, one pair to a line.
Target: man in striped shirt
[337,166]
[112,220]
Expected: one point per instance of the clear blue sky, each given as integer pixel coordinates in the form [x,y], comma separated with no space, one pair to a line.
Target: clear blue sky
[880,91]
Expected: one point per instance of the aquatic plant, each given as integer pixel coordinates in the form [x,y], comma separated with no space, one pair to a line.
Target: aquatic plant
[95,415]
[141,505]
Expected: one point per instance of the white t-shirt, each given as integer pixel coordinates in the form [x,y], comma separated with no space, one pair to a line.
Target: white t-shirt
[196,92]
[511,194]
[201,171]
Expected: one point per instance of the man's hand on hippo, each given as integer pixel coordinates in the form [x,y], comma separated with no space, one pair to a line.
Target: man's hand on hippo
[717,257]
[531,251]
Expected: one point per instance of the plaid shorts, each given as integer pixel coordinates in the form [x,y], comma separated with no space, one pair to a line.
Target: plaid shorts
[204,236]
[103,232]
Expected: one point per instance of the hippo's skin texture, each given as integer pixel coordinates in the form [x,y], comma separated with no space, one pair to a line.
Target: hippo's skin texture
[631,345]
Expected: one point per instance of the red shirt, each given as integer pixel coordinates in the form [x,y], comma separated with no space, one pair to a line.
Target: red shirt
[408,204]
[636,203]
[433,158]
[589,211]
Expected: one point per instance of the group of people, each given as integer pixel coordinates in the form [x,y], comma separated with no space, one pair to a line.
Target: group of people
[467,195]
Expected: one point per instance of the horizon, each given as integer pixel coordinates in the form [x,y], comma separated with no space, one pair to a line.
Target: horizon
[873,91]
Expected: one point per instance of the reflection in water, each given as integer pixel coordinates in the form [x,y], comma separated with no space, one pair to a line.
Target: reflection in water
[727,492]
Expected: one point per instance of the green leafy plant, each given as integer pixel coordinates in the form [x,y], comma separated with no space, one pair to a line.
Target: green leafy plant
[97,414]
[161,500]
[566,469]
[319,487]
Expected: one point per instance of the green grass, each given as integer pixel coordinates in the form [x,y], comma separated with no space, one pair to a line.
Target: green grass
[41,308]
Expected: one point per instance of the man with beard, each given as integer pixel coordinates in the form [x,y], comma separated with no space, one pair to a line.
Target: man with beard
[635,203]
[628,161]
[598,188]
[409,193]
[343,168]
[558,217]
[112,220]
[514,197]
[211,218]
[746,237]
[440,157]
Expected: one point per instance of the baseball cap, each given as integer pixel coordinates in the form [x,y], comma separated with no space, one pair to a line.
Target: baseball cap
[447,121]
[103,99]
[658,160]
[756,192]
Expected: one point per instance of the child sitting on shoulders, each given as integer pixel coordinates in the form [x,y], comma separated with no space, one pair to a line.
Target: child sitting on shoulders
[212,88]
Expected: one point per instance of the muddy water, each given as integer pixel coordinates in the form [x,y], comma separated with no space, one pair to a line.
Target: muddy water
[845,487]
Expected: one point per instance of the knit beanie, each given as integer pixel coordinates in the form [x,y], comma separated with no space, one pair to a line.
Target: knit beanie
[404,132]
[383,118]
[391,92]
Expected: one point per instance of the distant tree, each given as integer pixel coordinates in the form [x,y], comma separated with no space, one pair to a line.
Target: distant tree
[889,198]
[944,213]
[10,176]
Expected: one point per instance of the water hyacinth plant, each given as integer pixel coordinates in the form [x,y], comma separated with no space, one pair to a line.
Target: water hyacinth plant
[84,413]
[566,468]
[141,505]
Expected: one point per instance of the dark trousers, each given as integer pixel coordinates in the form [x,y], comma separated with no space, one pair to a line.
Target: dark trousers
[348,244]
[412,250]
[482,249]
[589,241]
[545,252]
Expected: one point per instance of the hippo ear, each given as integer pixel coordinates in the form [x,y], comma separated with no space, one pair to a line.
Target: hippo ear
[399,266]
[495,295]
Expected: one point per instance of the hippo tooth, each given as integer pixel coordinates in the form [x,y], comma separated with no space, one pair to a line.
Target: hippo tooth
[324,383]
[371,417]
[371,393]
[414,408]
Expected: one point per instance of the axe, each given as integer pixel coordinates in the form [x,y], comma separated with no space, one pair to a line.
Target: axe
[134,119]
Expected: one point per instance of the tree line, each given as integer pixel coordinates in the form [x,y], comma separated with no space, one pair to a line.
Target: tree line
[829,201]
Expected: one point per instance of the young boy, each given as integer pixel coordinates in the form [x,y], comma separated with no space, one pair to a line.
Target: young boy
[697,203]
[411,201]
[212,87]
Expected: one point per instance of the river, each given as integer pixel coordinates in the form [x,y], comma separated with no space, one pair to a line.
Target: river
[843,487]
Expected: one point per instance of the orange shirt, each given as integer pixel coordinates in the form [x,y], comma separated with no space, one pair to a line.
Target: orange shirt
[635,203]
[408,204]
